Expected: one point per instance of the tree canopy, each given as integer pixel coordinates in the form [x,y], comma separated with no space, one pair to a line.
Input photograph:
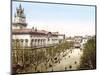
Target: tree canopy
[88,59]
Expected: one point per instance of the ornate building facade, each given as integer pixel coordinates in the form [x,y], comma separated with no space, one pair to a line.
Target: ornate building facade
[32,37]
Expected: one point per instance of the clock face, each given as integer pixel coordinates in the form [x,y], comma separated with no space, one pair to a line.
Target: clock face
[22,20]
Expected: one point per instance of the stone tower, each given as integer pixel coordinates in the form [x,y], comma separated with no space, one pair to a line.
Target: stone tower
[19,19]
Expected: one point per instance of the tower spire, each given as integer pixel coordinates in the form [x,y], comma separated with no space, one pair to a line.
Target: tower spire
[20,7]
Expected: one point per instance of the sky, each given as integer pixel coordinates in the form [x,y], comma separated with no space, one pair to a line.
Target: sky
[70,20]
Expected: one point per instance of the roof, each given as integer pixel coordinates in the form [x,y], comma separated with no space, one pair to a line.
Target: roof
[32,31]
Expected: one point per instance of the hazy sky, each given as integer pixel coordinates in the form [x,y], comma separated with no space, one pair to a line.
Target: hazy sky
[66,19]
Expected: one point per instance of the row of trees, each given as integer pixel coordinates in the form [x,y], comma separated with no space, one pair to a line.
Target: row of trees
[88,59]
[30,56]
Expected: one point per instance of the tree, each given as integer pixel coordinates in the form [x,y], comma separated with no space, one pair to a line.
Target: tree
[88,59]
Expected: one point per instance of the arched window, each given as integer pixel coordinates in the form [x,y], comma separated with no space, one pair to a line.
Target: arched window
[31,42]
[17,40]
[39,41]
[17,43]
[22,40]
[26,40]
[36,42]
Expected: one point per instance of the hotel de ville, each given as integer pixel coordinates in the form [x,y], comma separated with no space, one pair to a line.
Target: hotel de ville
[32,37]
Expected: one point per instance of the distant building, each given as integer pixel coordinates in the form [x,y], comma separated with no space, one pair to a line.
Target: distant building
[69,39]
[32,37]
[77,41]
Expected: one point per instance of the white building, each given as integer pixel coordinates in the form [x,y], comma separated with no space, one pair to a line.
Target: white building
[32,37]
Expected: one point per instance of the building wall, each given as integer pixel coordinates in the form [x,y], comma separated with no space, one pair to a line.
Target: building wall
[36,40]
[25,38]
[15,27]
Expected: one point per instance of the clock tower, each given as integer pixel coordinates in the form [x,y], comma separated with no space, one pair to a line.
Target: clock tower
[19,19]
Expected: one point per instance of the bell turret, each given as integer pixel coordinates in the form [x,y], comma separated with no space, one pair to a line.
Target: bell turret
[19,18]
